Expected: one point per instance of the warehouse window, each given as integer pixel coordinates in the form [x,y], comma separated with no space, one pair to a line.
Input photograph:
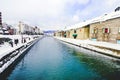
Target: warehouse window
[105,30]
[94,30]
[74,31]
[119,30]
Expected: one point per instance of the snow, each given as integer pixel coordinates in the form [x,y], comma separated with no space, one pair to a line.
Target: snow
[79,25]
[6,48]
[95,20]
[107,48]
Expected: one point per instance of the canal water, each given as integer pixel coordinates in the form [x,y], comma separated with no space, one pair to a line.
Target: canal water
[51,59]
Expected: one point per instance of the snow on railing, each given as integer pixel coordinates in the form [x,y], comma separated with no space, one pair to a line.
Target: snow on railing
[12,55]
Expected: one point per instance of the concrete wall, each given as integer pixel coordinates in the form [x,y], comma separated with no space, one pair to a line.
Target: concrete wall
[113,26]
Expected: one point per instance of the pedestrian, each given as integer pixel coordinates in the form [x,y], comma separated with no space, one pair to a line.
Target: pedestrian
[16,41]
[11,43]
[24,40]
[29,38]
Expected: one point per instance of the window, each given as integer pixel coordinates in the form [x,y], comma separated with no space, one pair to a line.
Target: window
[105,30]
[94,30]
[119,30]
[74,31]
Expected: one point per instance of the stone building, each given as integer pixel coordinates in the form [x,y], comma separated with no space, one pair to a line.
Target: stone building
[106,28]
[59,33]
[83,33]
[79,31]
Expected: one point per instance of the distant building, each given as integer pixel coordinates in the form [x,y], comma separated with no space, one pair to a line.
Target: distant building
[23,28]
[37,30]
[8,29]
[49,32]
[26,29]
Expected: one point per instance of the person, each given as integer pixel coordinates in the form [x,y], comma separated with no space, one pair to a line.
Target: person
[16,41]
[29,38]
[24,40]
[11,43]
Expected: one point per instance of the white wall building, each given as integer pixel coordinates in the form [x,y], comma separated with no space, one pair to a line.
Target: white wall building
[26,29]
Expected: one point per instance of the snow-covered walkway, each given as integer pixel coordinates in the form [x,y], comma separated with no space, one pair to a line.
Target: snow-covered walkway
[103,47]
[9,53]
[6,47]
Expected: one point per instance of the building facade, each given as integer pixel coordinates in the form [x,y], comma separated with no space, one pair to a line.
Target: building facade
[83,33]
[26,29]
[108,31]
[104,28]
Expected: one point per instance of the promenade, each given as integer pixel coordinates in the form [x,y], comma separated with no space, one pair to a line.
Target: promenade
[9,52]
[101,47]
[6,47]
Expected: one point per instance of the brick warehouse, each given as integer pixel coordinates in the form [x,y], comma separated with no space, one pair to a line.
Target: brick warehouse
[107,30]
[104,28]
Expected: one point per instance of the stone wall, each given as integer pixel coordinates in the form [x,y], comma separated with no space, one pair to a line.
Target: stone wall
[71,33]
[68,34]
[83,33]
[113,33]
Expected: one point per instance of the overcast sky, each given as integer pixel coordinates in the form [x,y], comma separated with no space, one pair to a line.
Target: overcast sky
[54,14]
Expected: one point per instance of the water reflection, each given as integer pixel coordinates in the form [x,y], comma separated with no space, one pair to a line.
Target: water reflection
[105,66]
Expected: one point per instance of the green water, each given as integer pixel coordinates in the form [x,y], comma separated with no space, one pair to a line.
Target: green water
[51,59]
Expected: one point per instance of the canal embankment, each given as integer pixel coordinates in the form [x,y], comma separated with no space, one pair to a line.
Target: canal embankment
[105,48]
[51,59]
[9,54]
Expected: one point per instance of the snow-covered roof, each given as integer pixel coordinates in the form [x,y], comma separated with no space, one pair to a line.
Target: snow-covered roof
[97,19]
[79,25]
[106,17]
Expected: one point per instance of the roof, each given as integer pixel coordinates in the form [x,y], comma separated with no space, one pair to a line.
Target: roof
[95,20]
[79,25]
[106,17]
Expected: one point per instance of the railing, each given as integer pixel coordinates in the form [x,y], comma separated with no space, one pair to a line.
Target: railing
[12,54]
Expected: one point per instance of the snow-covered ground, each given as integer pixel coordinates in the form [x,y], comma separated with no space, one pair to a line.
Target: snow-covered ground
[6,47]
[104,47]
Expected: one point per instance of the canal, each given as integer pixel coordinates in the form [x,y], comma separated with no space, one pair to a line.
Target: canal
[51,59]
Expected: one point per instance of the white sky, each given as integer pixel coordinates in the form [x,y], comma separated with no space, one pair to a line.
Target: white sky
[54,14]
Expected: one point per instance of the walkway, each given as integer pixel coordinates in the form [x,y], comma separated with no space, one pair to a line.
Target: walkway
[104,47]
